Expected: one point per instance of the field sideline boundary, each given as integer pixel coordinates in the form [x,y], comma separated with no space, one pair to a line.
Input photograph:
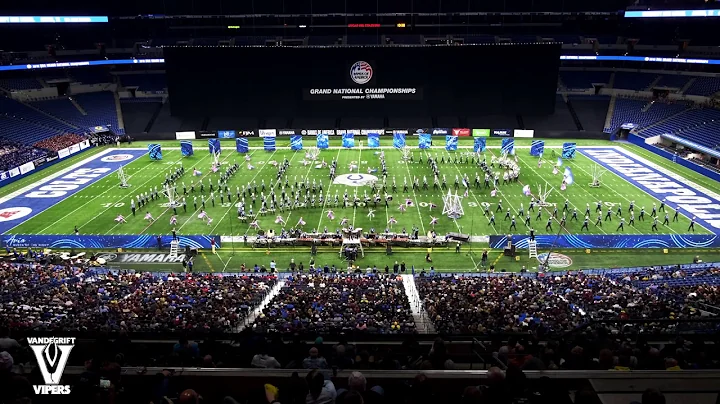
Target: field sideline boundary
[57,174]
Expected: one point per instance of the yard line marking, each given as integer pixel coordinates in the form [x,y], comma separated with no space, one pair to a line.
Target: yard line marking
[327,196]
[111,207]
[192,215]
[417,204]
[272,185]
[476,201]
[616,176]
[579,166]
[51,177]
[355,193]
[433,194]
[562,197]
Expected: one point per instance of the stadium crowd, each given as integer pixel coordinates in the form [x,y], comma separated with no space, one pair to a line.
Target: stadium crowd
[14,154]
[53,298]
[526,320]
[320,304]
[59,142]
[552,303]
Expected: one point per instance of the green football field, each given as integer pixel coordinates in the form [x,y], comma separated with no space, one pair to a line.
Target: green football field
[94,209]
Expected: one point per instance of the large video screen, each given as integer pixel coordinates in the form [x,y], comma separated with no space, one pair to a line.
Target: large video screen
[363,81]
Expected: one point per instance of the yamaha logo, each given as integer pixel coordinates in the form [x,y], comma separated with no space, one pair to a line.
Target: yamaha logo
[361,72]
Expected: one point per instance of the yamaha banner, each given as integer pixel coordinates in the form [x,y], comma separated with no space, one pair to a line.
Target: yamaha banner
[155,151]
[451,142]
[186,148]
[241,145]
[214,146]
[296,142]
[479,145]
[288,132]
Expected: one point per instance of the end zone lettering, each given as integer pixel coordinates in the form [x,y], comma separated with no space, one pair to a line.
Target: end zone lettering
[67,183]
[691,199]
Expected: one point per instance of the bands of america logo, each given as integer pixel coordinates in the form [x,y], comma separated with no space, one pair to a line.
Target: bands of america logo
[8,214]
[361,72]
[52,354]
[116,157]
[556,260]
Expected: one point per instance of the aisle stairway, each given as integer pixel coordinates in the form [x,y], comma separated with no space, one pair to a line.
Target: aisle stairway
[256,311]
[422,322]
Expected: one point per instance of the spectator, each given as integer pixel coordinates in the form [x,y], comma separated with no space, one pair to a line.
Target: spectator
[314,360]
[6,343]
[263,360]
[321,391]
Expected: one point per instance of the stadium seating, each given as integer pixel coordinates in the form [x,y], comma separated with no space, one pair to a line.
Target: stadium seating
[59,142]
[695,124]
[101,109]
[704,86]
[560,120]
[144,82]
[591,110]
[137,112]
[643,112]
[14,154]
[20,84]
[673,80]
[583,79]
[633,80]
[91,75]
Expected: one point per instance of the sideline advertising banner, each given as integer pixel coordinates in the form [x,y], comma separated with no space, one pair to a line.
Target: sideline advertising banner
[267,132]
[207,134]
[105,241]
[524,133]
[187,135]
[462,132]
[227,134]
[501,133]
[481,132]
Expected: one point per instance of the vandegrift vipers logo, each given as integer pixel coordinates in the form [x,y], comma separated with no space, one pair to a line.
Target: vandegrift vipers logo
[52,354]
[361,72]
